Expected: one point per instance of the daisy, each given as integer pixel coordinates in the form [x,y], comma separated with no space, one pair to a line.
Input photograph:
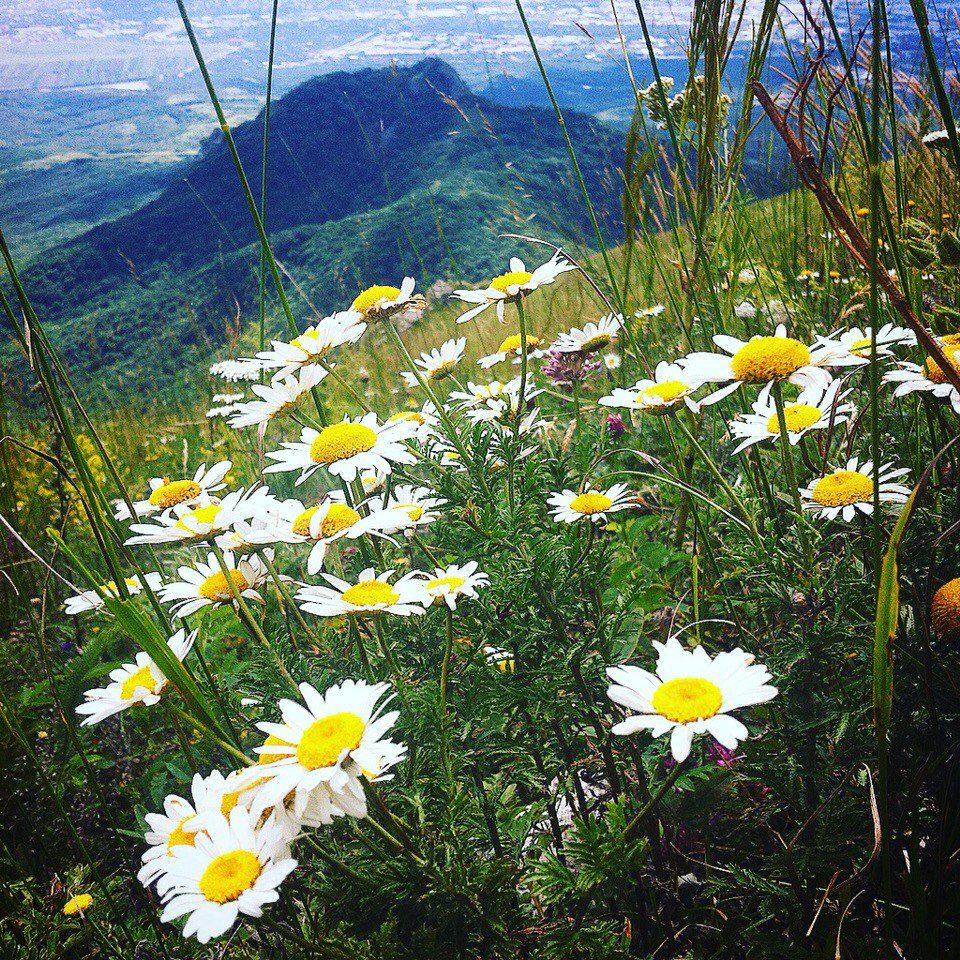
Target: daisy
[315,344]
[326,744]
[511,286]
[671,385]
[370,594]
[275,398]
[814,409]
[593,337]
[492,401]
[93,599]
[852,347]
[760,360]
[166,493]
[419,504]
[928,378]
[380,301]
[346,448]
[590,504]
[612,361]
[655,311]
[424,421]
[849,490]
[268,524]
[450,583]
[438,363]
[140,682]
[236,370]
[690,693]
[206,585]
[233,867]
[497,657]
[513,345]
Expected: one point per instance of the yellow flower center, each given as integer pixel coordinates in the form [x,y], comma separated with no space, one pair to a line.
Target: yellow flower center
[370,593]
[596,342]
[667,392]
[769,358]
[685,699]
[229,875]
[513,278]
[273,741]
[199,517]
[439,372]
[172,492]
[933,369]
[590,502]
[412,415]
[301,526]
[860,347]
[339,517]
[82,901]
[216,587]
[447,584]
[413,510]
[342,440]
[140,678]
[798,416]
[180,837]
[945,609]
[374,297]
[514,342]
[842,488]
[325,740]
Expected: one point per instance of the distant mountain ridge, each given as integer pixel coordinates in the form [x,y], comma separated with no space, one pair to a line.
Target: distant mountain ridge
[373,175]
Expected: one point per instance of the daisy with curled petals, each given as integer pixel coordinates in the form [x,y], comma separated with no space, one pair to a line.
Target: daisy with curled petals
[275,398]
[690,693]
[346,448]
[381,301]
[326,743]
[594,505]
[206,584]
[593,336]
[418,504]
[133,684]
[370,594]
[513,346]
[511,286]
[438,363]
[235,371]
[234,867]
[93,599]
[450,583]
[314,345]
[852,347]
[166,493]
[760,360]
[848,490]
[814,409]
[928,378]
[671,385]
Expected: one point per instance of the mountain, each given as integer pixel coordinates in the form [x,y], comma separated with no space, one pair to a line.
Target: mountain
[373,175]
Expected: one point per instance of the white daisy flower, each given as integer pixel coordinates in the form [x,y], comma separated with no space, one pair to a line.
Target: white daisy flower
[133,684]
[314,345]
[418,504]
[513,285]
[450,583]
[655,311]
[371,593]
[689,694]
[276,398]
[424,421]
[346,448]
[381,301]
[612,361]
[497,657]
[671,384]
[483,403]
[928,378]
[237,370]
[848,490]
[93,599]
[438,363]
[594,505]
[593,336]
[268,524]
[373,480]
[166,493]
[852,347]
[234,867]
[206,585]
[512,346]
[814,409]
[759,360]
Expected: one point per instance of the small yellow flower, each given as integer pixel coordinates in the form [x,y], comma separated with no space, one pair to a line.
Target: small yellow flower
[77,904]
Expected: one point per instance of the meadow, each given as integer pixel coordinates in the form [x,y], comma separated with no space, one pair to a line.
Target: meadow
[605,608]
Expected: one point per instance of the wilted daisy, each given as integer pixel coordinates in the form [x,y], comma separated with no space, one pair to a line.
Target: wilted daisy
[207,585]
[166,493]
[450,583]
[315,344]
[381,301]
[93,599]
[814,409]
[326,743]
[346,448]
[140,682]
[571,506]
[275,398]
[233,867]
[237,370]
[513,346]
[592,337]
[419,504]
[689,694]
[928,378]
[371,593]
[760,360]
[437,363]
[852,347]
[671,385]
[513,285]
[848,490]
